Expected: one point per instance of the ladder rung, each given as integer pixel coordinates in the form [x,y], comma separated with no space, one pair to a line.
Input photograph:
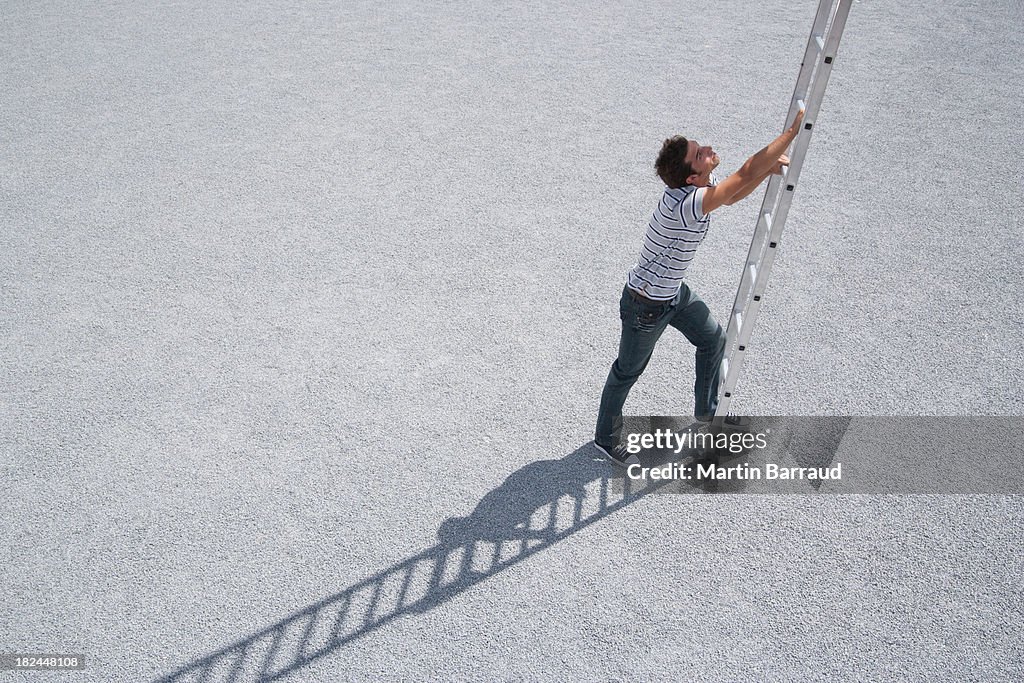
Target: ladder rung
[751,282]
[820,42]
[768,220]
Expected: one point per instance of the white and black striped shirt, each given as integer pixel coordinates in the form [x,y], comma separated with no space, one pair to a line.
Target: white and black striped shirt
[674,232]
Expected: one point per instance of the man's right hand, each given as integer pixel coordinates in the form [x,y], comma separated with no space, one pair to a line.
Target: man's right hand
[783,161]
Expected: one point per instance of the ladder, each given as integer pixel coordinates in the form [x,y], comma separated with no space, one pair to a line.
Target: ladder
[819,57]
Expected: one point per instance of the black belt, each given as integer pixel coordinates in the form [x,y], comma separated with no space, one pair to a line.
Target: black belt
[643,299]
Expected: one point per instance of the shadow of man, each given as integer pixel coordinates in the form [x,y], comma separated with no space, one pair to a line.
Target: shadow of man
[529,510]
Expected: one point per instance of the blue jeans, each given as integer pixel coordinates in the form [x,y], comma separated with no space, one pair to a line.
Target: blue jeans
[642,325]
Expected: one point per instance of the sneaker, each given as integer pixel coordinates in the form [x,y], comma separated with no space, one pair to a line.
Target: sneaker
[618,455]
[732,421]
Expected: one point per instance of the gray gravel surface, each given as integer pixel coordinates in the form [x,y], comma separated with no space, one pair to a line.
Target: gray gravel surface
[306,309]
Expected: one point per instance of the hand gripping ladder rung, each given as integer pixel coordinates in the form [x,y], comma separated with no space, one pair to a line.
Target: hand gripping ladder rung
[819,57]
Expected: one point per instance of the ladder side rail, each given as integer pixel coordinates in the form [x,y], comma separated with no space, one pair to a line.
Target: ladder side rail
[803,139]
[809,92]
[772,193]
[825,27]
[752,271]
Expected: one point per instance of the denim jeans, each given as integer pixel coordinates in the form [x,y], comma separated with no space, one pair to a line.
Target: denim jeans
[642,325]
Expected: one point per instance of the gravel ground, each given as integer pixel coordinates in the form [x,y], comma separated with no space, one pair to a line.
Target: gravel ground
[306,309]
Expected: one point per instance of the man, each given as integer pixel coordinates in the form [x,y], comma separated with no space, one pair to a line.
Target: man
[655,294]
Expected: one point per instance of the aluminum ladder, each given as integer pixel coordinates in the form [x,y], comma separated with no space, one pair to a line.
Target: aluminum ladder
[815,68]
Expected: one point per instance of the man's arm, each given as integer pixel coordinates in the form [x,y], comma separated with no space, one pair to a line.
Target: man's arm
[754,170]
[752,185]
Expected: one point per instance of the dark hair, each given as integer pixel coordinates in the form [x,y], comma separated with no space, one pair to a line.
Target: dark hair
[671,164]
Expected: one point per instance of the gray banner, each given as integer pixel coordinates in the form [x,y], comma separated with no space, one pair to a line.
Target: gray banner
[853,455]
